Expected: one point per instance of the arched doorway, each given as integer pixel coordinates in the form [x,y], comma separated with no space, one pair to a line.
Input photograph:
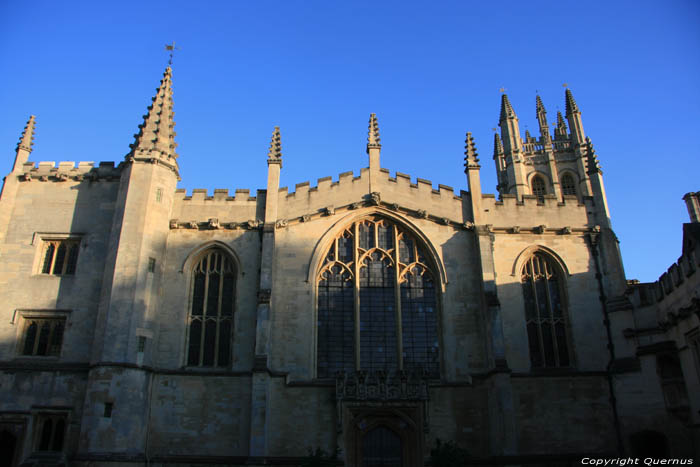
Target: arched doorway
[381,447]
[8,444]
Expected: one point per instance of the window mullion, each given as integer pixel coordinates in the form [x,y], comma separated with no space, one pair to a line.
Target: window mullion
[204,309]
[550,310]
[218,314]
[397,298]
[356,267]
[53,257]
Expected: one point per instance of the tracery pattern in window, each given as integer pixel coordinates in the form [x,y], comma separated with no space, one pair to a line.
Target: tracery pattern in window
[545,315]
[60,256]
[568,186]
[377,304]
[538,188]
[211,313]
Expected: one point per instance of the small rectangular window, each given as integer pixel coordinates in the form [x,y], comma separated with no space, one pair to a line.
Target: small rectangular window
[151,265]
[159,195]
[42,337]
[108,409]
[60,257]
[51,431]
[142,344]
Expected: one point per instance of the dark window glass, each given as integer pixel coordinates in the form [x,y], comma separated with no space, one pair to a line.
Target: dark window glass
[60,257]
[397,325]
[538,187]
[211,315]
[545,315]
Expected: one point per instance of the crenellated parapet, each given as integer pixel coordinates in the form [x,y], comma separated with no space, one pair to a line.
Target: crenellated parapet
[398,193]
[570,214]
[47,171]
[197,209]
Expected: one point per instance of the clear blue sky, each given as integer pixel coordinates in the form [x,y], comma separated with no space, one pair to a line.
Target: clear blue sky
[430,70]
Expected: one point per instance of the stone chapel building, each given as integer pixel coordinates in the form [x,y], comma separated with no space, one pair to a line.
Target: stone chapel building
[372,313]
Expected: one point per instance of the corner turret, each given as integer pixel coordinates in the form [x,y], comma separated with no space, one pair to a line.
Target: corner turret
[156,137]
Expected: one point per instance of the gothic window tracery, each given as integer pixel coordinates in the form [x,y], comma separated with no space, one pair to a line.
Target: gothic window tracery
[377,302]
[545,313]
[210,322]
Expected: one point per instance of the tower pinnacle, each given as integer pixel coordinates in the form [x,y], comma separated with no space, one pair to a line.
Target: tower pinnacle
[560,132]
[373,139]
[471,157]
[26,141]
[274,155]
[571,106]
[506,109]
[497,146]
[156,132]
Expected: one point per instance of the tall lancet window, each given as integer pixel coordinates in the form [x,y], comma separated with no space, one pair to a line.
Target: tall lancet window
[377,303]
[211,314]
[545,313]
[538,187]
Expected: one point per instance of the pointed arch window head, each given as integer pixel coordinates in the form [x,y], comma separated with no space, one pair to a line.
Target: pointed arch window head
[210,323]
[568,186]
[545,312]
[538,187]
[377,302]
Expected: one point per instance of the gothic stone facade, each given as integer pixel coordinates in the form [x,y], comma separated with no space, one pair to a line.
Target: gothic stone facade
[371,313]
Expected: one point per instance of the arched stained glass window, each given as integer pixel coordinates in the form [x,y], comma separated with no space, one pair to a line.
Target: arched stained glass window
[377,304]
[568,186]
[211,314]
[538,187]
[545,313]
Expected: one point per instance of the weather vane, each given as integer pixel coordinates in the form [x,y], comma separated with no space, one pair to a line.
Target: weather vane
[502,90]
[566,85]
[171,48]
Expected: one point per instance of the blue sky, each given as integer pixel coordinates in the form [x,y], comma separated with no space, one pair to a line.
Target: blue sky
[430,70]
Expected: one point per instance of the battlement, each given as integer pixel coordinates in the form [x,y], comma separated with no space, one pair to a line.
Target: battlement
[47,171]
[220,195]
[534,211]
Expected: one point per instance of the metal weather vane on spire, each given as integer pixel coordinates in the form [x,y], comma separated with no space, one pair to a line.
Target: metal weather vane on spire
[171,48]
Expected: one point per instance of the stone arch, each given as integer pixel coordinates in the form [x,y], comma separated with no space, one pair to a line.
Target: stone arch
[324,243]
[195,254]
[524,255]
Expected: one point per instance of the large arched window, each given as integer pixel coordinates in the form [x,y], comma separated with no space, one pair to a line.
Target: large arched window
[377,304]
[545,313]
[211,312]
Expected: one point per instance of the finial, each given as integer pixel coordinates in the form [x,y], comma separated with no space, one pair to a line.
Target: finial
[156,132]
[527,136]
[571,106]
[592,160]
[373,139]
[471,157]
[171,48]
[26,141]
[506,109]
[497,146]
[274,155]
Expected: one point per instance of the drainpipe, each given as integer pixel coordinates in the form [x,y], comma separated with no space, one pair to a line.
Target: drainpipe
[594,237]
